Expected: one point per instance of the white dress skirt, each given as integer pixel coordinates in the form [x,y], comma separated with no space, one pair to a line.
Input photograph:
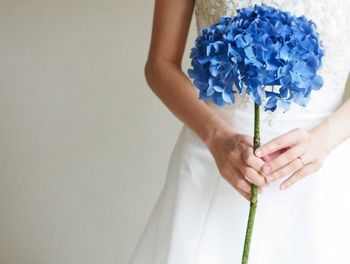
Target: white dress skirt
[199,218]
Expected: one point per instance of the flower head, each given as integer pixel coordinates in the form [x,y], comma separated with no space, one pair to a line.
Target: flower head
[260,47]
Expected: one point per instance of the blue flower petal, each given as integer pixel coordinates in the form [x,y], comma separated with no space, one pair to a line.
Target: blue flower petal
[259,47]
[317,82]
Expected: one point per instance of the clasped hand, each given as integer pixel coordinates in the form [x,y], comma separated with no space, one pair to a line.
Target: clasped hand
[297,153]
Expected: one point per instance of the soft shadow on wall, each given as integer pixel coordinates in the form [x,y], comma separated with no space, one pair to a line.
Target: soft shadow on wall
[84,143]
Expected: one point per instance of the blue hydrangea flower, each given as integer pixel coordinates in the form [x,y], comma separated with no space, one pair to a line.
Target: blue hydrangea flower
[260,48]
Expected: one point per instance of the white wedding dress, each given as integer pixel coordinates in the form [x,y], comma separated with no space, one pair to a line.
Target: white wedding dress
[200,219]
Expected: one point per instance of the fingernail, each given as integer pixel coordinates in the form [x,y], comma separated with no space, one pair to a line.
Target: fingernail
[258,152]
[283,187]
[269,178]
[266,169]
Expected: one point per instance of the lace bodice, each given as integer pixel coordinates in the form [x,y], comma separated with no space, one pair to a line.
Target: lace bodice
[333,24]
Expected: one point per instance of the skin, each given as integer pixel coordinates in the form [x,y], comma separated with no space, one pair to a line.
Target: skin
[233,152]
[311,146]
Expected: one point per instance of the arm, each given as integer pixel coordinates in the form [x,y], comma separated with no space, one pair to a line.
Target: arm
[337,126]
[233,152]
[163,71]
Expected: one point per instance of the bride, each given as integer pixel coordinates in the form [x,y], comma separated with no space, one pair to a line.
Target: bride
[301,168]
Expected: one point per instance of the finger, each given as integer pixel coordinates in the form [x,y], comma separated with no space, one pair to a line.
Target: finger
[244,185]
[248,140]
[283,159]
[286,140]
[251,160]
[251,175]
[235,178]
[247,196]
[248,184]
[298,175]
[239,180]
[289,169]
[243,188]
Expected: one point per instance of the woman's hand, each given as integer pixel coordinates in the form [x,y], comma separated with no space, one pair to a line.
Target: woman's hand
[235,159]
[297,152]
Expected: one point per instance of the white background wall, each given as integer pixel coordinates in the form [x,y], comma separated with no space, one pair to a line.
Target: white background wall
[84,143]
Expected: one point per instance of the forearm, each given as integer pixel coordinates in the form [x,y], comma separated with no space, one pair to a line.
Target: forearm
[336,128]
[176,91]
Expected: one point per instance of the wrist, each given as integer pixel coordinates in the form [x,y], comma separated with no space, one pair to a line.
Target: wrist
[323,136]
[216,128]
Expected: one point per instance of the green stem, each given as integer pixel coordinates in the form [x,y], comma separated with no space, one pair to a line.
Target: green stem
[254,190]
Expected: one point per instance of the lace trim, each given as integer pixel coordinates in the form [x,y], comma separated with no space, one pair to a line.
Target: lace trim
[333,25]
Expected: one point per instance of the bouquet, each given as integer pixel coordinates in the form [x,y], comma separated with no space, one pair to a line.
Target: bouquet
[270,54]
